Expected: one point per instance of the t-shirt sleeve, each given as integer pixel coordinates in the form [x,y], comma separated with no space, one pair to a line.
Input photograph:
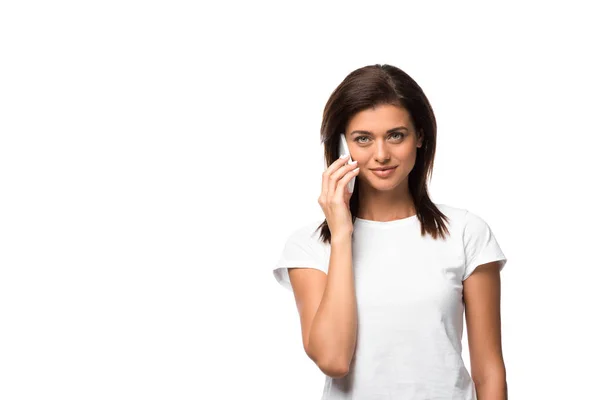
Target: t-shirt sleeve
[301,250]
[481,246]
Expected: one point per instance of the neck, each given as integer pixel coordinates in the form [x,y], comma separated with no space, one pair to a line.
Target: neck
[379,205]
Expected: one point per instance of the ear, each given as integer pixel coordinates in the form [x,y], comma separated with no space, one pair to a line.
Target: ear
[421,137]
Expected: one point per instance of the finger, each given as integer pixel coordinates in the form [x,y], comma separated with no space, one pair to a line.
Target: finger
[335,177]
[326,175]
[343,182]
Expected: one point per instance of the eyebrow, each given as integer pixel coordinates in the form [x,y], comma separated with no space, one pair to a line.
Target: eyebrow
[370,133]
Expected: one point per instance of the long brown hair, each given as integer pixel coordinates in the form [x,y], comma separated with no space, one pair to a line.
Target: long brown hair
[366,88]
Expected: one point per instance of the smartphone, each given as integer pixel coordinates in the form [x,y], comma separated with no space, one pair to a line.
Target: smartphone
[344,151]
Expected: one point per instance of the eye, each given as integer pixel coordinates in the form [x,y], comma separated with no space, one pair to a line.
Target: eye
[401,136]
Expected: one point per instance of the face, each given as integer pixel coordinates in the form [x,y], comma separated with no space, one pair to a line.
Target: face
[383,137]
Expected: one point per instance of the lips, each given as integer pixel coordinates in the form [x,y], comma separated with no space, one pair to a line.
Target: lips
[385,173]
[383,169]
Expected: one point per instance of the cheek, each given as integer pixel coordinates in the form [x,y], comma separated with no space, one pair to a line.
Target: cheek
[410,153]
[407,160]
[406,154]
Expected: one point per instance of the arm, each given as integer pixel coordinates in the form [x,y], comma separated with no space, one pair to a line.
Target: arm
[327,306]
[333,332]
[481,293]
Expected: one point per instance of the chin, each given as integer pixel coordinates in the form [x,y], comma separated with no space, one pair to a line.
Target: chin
[385,184]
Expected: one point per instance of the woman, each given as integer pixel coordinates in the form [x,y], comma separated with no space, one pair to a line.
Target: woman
[381,290]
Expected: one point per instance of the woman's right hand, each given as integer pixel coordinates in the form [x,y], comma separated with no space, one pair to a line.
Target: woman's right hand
[335,196]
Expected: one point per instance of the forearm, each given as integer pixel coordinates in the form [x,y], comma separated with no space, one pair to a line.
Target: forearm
[332,337]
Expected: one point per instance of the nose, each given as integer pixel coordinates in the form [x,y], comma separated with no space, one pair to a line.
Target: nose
[381,152]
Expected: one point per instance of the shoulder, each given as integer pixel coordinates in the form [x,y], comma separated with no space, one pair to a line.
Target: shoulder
[462,220]
[305,241]
[461,214]
[309,233]
[451,211]
[471,226]
[457,216]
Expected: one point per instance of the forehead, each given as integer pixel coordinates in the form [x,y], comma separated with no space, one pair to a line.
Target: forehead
[380,118]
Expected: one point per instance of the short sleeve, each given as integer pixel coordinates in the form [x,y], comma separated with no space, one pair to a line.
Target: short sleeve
[480,244]
[302,249]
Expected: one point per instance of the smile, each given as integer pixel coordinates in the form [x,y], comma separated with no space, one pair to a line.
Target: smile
[384,173]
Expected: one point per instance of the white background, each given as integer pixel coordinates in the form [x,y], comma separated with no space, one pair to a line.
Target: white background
[154,156]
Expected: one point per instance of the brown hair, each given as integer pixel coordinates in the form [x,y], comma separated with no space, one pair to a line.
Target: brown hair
[365,88]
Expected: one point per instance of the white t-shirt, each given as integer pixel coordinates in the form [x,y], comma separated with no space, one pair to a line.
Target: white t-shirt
[409,303]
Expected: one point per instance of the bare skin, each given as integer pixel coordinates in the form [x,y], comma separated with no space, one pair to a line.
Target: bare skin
[384,199]
[327,302]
